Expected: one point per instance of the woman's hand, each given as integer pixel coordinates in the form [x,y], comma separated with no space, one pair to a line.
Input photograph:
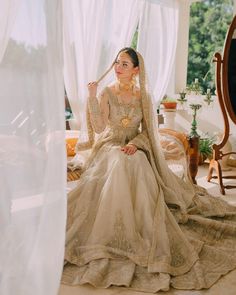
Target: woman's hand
[92,89]
[129,149]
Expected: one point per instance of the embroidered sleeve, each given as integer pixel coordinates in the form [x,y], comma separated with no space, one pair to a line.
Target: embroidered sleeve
[141,141]
[99,111]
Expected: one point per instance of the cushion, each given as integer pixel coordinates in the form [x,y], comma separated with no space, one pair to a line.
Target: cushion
[70,146]
[73,175]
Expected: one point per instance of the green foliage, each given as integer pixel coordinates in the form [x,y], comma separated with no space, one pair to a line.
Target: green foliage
[135,39]
[68,114]
[24,56]
[209,21]
[205,145]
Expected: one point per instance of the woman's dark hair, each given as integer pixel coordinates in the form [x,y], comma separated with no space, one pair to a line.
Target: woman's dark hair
[132,54]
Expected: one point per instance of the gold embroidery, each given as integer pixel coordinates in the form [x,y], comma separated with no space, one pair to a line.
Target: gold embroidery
[82,146]
[176,255]
[119,240]
[125,122]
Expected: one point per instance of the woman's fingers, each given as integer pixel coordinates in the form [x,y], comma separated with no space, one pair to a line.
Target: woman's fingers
[92,88]
[129,149]
[92,83]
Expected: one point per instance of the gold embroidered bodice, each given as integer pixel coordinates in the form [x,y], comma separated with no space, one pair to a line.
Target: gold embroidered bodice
[118,121]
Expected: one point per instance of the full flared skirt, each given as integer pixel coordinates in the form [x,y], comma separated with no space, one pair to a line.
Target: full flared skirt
[120,231]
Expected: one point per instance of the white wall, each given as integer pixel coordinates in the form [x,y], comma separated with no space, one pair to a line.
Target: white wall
[209,120]
[181,62]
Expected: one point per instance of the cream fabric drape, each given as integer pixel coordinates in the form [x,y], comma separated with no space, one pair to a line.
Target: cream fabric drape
[157,42]
[7,17]
[32,149]
[94,31]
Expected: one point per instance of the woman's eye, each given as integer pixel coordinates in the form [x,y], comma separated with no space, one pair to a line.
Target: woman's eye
[124,65]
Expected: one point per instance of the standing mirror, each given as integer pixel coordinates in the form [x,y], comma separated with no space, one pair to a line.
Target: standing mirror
[226,92]
[229,72]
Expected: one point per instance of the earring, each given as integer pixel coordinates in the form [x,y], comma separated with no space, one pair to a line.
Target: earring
[133,82]
[134,79]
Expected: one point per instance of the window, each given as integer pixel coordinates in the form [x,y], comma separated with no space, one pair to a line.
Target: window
[209,22]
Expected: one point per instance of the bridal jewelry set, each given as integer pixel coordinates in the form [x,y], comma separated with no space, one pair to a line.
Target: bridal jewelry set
[126,120]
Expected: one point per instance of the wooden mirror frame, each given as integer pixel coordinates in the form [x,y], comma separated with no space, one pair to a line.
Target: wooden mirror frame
[226,108]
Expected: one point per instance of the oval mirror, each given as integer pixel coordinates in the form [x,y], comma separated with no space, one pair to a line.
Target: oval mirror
[229,71]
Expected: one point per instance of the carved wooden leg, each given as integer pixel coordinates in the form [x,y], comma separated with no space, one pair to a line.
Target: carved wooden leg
[215,165]
[210,170]
[219,175]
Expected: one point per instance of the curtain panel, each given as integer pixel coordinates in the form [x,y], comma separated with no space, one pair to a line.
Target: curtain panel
[32,148]
[94,31]
[157,41]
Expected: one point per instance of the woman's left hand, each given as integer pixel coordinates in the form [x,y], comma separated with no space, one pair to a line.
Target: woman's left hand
[129,149]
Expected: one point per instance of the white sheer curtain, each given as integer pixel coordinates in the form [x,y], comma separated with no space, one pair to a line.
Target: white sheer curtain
[32,150]
[157,42]
[7,17]
[8,10]
[94,31]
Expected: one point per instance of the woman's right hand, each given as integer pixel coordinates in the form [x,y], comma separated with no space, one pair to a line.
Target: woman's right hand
[92,89]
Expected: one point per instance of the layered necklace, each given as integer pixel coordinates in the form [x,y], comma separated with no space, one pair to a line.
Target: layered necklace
[121,87]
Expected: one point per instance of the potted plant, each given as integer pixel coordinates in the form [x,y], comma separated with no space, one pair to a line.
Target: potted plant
[205,148]
[169,103]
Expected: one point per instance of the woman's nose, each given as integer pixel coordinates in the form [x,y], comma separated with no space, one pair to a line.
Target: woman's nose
[118,66]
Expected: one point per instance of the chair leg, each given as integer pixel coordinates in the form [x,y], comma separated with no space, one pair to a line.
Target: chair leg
[210,171]
[215,165]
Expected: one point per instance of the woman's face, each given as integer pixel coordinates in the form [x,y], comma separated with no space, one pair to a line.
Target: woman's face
[124,67]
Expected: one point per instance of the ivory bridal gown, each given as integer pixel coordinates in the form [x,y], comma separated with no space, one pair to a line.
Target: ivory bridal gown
[122,228]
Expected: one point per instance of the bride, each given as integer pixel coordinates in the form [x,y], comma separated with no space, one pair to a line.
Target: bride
[131,221]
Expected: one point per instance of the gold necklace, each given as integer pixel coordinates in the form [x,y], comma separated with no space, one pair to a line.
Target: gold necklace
[119,87]
[127,118]
[125,87]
